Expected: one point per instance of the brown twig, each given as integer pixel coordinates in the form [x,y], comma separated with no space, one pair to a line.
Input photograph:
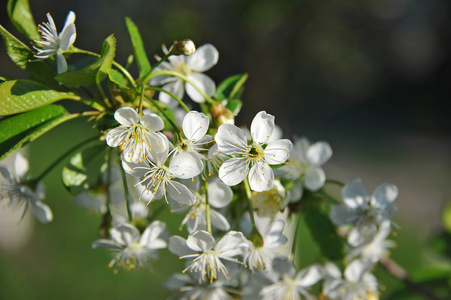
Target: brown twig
[397,271]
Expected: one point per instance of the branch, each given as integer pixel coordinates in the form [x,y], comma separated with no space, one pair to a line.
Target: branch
[397,271]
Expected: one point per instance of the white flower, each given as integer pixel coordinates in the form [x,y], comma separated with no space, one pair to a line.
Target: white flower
[190,288]
[364,210]
[157,178]
[134,250]
[192,67]
[377,248]
[195,126]
[219,196]
[52,43]
[304,166]
[215,159]
[260,256]
[232,141]
[206,253]
[358,283]
[289,285]
[138,136]
[16,191]
[269,203]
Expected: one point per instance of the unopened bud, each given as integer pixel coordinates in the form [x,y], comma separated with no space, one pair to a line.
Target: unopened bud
[183,47]
[221,115]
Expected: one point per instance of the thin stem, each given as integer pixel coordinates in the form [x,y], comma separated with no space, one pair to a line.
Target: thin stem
[141,99]
[182,104]
[157,212]
[177,131]
[65,154]
[207,209]
[102,94]
[117,65]
[335,182]
[108,178]
[398,272]
[158,63]
[184,78]
[249,199]
[128,199]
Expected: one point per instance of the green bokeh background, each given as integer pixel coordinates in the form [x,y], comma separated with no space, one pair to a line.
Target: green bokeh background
[371,77]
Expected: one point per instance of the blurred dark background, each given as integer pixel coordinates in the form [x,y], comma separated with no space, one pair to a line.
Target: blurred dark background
[372,77]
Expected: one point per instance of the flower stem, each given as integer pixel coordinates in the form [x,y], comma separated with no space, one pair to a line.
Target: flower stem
[249,199]
[184,78]
[117,65]
[176,130]
[65,154]
[182,104]
[207,209]
[335,182]
[141,100]
[128,199]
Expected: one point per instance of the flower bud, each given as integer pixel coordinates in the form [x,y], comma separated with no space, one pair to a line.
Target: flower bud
[183,47]
[221,115]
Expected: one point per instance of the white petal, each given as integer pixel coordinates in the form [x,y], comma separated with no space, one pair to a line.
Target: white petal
[356,269]
[152,122]
[219,194]
[136,169]
[41,211]
[262,127]
[342,214]
[219,221]
[384,195]
[61,64]
[277,152]
[195,125]
[21,166]
[233,171]
[179,193]
[200,241]
[261,177]
[176,87]
[284,267]
[204,83]
[126,116]
[231,139]
[177,245]
[151,237]
[125,234]
[6,173]
[68,34]
[319,153]
[205,57]
[314,179]
[186,165]
[355,194]
[274,238]
[231,244]
[296,192]
[105,244]
[310,276]
[117,136]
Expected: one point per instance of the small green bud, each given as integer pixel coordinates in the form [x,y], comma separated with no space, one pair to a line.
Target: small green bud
[183,47]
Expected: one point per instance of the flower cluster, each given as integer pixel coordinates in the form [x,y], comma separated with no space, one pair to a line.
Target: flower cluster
[240,190]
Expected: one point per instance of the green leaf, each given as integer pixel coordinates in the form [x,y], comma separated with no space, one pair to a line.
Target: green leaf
[231,88]
[24,58]
[324,233]
[234,105]
[84,169]
[107,56]
[117,78]
[97,71]
[22,95]
[138,47]
[20,14]
[19,129]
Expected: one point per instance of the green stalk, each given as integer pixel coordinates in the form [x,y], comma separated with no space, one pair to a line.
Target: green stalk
[117,65]
[184,78]
[65,154]
[128,199]
[141,99]
[207,209]
[249,200]
[182,104]
[177,131]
